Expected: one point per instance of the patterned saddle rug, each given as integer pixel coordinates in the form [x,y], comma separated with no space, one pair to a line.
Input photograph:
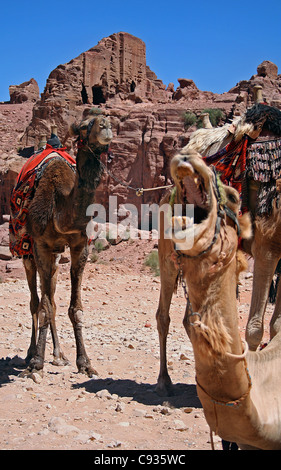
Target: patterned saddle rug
[21,244]
[258,161]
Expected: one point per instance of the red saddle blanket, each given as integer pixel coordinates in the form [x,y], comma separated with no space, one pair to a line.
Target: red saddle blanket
[20,241]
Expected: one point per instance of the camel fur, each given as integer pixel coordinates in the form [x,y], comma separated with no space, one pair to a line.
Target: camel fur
[56,219]
[238,389]
[265,246]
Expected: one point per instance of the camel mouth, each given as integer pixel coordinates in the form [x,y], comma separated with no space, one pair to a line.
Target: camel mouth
[196,196]
[105,139]
[193,191]
[105,136]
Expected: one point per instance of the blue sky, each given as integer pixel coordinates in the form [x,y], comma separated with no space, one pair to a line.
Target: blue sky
[216,44]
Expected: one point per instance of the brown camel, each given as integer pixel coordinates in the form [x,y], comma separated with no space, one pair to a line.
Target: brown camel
[238,389]
[261,189]
[56,219]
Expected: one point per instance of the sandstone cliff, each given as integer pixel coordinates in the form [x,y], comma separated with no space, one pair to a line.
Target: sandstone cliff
[147,116]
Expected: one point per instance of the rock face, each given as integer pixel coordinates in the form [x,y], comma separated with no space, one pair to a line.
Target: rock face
[115,70]
[27,91]
[268,69]
[147,118]
[267,79]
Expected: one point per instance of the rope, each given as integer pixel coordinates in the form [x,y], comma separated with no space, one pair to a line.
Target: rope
[240,356]
[139,191]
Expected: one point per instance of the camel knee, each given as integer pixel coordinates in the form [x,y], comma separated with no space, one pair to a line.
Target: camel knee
[254,333]
[163,323]
[76,316]
[45,313]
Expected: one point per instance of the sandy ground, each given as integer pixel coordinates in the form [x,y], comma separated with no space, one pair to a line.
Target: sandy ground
[119,409]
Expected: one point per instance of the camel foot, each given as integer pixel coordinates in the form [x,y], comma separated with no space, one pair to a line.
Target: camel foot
[89,371]
[34,374]
[61,360]
[85,367]
[164,390]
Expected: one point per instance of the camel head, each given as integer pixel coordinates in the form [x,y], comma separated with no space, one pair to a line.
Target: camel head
[94,130]
[215,206]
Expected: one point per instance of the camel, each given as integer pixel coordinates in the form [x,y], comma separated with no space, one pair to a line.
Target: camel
[238,388]
[167,254]
[56,219]
[262,126]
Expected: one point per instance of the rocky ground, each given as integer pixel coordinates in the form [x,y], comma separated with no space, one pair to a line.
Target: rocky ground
[118,409]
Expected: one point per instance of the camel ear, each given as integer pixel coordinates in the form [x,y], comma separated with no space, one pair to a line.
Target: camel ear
[74,130]
[245,226]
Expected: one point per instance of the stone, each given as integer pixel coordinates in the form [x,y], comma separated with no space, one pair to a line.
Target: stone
[14,264]
[37,379]
[104,394]
[59,426]
[5,253]
[180,425]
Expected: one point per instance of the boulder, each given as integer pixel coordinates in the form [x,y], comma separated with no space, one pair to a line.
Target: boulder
[27,91]
[267,69]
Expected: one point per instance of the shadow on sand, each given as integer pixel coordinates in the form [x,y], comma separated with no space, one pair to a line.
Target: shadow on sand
[10,367]
[184,395]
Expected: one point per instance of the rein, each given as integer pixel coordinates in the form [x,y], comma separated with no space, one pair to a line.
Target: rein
[139,191]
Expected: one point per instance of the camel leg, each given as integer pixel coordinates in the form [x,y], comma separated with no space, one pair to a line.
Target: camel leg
[264,267]
[168,281]
[59,358]
[78,260]
[47,267]
[30,271]
[275,322]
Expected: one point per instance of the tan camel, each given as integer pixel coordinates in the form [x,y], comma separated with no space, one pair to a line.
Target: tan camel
[169,268]
[238,389]
[56,219]
[260,122]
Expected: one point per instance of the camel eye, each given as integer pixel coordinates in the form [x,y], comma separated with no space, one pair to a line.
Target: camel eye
[232,198]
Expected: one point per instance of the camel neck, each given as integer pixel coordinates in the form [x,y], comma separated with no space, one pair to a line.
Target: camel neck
[223,377]
[89,173]
[89,169]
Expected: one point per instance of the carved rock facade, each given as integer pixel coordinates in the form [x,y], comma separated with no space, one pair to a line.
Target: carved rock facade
[147,117]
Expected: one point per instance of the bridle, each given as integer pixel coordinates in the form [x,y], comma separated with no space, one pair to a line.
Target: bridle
[97,151]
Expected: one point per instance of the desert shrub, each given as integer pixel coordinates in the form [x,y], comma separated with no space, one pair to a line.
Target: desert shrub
[215,115]
[189,119]
[99,246]
[153,262]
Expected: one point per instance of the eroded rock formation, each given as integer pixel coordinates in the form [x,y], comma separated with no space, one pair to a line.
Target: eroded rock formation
[147,117]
